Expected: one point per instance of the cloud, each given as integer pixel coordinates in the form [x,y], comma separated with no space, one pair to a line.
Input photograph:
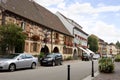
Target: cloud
[87,8]
[105,31]
[49,2]
[88,17]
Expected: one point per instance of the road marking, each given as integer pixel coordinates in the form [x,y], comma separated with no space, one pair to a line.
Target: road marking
[91,78]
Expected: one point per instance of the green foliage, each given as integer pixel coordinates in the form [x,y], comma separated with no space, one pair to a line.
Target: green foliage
[117,58]
[106,65]
[93,43]
[118,44]
[12,37]
[42,55]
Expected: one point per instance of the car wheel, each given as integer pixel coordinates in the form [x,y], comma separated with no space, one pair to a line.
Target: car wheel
[12,67]
[53,63]
[41,64]
[60,62]
[33,65]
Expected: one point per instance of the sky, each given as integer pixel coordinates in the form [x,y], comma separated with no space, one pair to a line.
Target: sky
[98,17]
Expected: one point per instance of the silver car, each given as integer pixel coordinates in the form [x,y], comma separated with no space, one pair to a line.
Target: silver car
[12,62]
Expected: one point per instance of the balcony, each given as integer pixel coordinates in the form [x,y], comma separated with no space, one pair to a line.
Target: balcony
[35,38]
[57,41]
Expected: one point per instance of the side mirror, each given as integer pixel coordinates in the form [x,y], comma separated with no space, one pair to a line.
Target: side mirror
[18,59]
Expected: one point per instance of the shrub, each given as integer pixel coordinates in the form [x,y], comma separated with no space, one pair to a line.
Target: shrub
[117,58]
[106,65]
[41,56]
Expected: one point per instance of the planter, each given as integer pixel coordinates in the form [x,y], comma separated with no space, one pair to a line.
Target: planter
[106,65]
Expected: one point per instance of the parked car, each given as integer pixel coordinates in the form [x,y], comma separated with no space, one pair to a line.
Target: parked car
[86,57]
[96,56]
[52,59]
[15,61]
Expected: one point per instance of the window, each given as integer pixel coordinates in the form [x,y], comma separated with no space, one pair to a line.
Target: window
[23,25]
[56,36]
[22,56]
[28,56]
[35,47]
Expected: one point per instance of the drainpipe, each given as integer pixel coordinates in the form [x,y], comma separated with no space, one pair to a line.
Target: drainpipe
[51,40]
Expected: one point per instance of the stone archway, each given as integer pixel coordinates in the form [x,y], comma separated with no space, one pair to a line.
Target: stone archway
[44,50]
[56,50]
[75,55]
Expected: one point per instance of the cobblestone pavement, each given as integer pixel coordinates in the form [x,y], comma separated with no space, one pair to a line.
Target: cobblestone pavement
[110,76]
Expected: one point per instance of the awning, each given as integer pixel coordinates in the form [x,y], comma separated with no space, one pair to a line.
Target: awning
[85,50]
[90,51]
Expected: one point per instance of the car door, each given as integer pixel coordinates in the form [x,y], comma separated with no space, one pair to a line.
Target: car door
[57,59]
[21,61]
[29,60]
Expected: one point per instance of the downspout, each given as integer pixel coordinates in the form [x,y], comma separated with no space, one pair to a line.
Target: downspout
[51,41]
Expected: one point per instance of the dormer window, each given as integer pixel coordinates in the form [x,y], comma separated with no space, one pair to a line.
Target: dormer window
[23,25]
[56,36]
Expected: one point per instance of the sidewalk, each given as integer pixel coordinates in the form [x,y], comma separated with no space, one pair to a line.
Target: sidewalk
[110,76]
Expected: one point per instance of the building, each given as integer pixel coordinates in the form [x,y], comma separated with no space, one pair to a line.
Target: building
[80,37]
[112,49]
[45,32]
[101,46]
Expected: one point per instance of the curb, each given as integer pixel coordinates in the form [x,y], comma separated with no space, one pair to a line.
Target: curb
[91,78]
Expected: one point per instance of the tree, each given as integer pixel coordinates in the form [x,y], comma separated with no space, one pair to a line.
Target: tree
[118,44]
[93,43]
[12,38]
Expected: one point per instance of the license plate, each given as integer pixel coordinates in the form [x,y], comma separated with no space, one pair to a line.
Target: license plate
[43,61]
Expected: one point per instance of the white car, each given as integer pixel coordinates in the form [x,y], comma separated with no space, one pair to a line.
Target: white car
[12,62]
[96,56]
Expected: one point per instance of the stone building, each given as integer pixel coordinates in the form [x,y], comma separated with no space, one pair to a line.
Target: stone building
[101,46]
[45,32]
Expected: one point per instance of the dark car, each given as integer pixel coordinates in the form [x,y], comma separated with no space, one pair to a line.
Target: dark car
[52,59]
[85,57]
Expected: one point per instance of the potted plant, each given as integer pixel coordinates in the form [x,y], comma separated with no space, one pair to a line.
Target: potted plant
[106,65]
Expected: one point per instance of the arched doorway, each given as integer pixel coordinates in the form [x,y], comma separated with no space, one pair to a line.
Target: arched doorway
[44,50]
[75,56]
[56,50]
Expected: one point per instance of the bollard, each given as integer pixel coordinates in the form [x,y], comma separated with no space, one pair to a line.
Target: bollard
[92,68]
[68,78]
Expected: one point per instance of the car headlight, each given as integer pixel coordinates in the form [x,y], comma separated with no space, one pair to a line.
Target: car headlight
[3,63]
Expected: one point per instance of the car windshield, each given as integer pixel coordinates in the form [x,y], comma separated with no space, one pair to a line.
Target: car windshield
[9,56]
[85,54]
[50,55]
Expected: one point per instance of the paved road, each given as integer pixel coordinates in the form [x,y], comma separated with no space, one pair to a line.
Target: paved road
[79,70]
